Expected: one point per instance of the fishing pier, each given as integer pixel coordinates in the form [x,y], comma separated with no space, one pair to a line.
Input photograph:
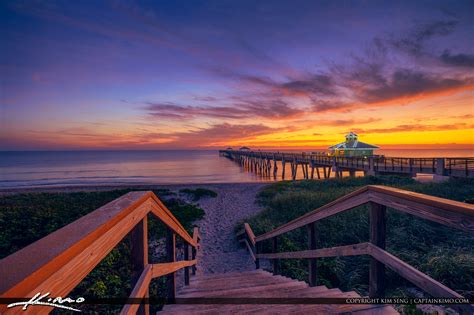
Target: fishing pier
[322,165]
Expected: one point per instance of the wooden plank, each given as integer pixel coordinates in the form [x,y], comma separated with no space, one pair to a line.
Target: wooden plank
[196,235]
[377,214]
[275,250]
[347,250]
[139,248]
[312,262]
[447,212]
[250,234]
[196,238]
[24,270]
[163,269]
[436,202]
[186,269]
[165,216]
[171,257]
[257,250]
[413,275]
[250,250]
[139,258]
[193,257]
[341,204]
[72,270]
[139,291]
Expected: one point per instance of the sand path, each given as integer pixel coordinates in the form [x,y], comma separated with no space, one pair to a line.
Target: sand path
[220,251]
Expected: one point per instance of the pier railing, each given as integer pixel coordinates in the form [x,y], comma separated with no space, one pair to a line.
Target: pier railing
[58,262]
[456,167]
[447,212]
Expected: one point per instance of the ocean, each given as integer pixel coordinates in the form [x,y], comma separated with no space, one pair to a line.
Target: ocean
[24,169]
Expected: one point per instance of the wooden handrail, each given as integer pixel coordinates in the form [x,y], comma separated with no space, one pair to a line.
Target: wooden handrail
[451,213]
[196,236]
[437,202]
[250,234]
[347,250]
[247,237]
[447,212]
[139,290]
[162,212]
[349,201]
[60,260]
[412,274]
[164,269]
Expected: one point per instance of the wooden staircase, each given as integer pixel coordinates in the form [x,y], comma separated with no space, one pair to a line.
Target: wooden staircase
[58,262]
[262,284]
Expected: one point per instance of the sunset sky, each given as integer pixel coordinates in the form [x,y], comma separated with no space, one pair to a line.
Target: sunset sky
[211,74]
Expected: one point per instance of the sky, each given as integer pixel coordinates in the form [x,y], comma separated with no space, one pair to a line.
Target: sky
[213,74]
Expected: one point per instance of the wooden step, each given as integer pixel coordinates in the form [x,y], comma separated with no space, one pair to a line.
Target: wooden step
[199,281]
[289,292]
[240,283]
[255,291]
[262,284]
[229,274]
[376,310]
[291,308]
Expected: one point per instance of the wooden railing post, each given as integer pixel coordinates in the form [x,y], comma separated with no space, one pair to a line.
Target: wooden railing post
[257,251]
[377,237]
[440,167]
[139,257]
[193,256]
[171,257]
[312,263]
[186,269]
[275,250]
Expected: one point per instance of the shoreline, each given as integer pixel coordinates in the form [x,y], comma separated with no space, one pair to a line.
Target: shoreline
[95,188]
[422,178]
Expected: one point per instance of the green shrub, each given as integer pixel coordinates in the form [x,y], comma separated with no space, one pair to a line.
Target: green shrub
[198,193]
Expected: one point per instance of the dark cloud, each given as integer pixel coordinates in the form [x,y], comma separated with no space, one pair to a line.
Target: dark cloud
[314,85]
[176,111]
[273,108]
[220,134]
[406,83]
[414,42]
[457,60]
[311,85]
[241,109]
[321,106]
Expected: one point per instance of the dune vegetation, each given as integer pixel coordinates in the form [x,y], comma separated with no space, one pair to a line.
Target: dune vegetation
[198,193]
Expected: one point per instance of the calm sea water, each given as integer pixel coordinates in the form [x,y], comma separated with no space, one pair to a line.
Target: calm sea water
[28,169]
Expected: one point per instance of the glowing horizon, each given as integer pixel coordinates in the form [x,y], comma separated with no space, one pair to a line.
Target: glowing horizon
[210,75]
